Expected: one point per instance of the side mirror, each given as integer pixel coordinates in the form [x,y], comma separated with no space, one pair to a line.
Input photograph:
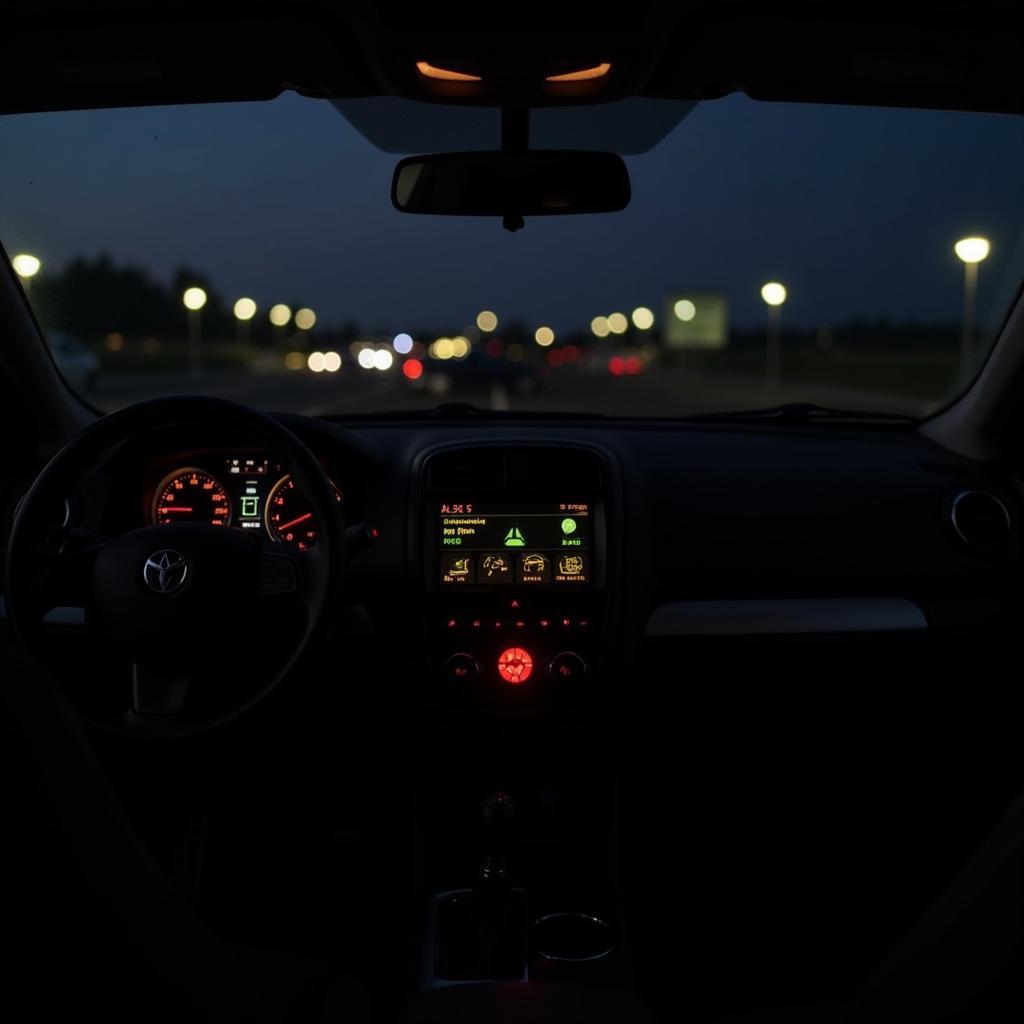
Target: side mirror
[534,183]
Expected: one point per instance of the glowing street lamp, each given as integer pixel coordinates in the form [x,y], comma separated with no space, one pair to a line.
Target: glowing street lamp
[279,316]
[194,299]
[245,310]
[618,323]
[26,265]
[774,295]
[643,318]
[970,251]
[304,318]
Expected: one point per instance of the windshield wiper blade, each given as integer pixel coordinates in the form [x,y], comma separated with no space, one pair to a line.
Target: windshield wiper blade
[799,413]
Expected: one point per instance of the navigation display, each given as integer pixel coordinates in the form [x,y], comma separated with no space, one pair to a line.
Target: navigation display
[500,544]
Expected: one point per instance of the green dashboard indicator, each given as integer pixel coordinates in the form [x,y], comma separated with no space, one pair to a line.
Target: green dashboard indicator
[568,526]
[514,538]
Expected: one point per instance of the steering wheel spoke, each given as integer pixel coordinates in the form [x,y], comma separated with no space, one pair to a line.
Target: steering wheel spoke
[62,575]
[158,690]
[278,572]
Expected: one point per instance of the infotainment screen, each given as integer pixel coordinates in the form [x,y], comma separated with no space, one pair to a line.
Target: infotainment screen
[502,543]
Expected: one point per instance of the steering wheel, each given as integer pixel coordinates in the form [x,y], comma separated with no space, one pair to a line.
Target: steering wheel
[166,599]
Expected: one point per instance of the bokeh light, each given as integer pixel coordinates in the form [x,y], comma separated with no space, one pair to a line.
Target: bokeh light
[280,314]
[194,298]
[304,319]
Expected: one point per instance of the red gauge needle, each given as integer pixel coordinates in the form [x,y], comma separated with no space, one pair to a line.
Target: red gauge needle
[295,522]
[174,508]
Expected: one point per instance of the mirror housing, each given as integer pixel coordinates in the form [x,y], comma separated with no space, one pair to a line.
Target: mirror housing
[531,183]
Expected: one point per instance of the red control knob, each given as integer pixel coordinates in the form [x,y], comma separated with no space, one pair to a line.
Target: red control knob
[515,665]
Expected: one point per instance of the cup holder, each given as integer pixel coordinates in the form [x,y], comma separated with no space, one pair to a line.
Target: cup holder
[571,937]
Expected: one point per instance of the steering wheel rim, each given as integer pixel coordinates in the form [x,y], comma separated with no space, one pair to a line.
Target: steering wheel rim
[112,583]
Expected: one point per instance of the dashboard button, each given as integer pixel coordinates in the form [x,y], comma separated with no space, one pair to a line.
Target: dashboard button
[456,568]
[495,567]
[534,567]
[567,667]
[461,668]
[276,574]
[571,567]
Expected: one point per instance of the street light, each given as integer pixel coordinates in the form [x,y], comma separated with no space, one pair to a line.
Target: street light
[618,323]
[970,251]
[194,299]
[486,321]
[305,318]
[26,265]
[245,310]
[643,318]
[279,316]
[774,295]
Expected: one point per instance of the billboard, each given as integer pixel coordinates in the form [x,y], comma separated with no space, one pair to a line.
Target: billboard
[696,320]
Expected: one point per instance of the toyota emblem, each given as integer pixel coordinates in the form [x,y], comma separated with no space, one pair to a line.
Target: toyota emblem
[165,571]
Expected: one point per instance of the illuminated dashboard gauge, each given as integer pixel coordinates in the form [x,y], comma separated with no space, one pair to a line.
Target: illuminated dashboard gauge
[191,496]
[289,515]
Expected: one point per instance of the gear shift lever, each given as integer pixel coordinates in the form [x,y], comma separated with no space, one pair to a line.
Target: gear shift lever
[481,932]
[497,817]
[498,920]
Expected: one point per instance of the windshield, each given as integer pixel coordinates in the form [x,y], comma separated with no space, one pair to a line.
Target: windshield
[771,253]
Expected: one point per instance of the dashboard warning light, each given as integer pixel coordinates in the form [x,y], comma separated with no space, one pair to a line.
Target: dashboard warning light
[515,665]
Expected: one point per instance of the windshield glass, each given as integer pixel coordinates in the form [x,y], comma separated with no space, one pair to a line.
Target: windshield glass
[771,253]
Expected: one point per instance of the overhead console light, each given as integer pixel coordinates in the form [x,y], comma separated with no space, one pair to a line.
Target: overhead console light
[444,74]
[583,75]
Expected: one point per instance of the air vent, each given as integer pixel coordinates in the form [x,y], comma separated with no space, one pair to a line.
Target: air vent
[980,519]
[474,468]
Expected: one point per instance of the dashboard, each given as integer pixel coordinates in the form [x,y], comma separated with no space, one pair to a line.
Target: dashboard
[548,566]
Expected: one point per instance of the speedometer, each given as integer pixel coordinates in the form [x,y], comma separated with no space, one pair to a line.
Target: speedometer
[191,495]
[290,515]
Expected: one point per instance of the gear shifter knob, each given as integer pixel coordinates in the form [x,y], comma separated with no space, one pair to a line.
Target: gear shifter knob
[497,818]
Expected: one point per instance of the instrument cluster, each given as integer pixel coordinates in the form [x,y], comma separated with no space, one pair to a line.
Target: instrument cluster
[244,490]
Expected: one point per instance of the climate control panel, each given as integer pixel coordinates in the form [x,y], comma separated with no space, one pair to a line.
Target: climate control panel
[522,646]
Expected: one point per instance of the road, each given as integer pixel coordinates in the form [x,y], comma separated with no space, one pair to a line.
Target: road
[658,391]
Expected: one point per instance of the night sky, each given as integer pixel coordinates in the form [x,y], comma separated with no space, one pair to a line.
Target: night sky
[855,210]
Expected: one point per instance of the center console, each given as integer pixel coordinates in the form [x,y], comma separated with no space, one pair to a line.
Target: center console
[518,604]
[513,545]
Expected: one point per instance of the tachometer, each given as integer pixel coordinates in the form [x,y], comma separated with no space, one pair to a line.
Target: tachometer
[289,515]
[191,495]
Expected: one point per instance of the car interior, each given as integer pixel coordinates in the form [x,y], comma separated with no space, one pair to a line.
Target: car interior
[427,709]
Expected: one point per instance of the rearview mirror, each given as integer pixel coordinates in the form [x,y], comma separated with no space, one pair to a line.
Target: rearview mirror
[511,185]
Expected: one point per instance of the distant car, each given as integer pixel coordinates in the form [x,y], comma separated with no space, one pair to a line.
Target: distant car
[479,369]
[77,364]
